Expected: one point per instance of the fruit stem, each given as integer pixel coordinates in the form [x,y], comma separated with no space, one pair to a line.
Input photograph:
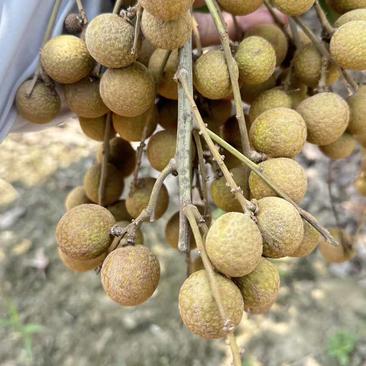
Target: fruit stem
[104,170]
[234,78]
[196,36]
[255,168]
[191,211]
[117,6]
[235,189]
[294,33]
[46,37]
[82,12]
[139,154]
[323,19]
[184,146]
[137,29]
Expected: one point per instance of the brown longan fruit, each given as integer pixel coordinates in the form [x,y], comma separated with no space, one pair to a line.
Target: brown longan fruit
[113,187]
[293,7]
[342,6]
[84,100]
[357,106]
[76,197]
[146,50]
[286,174]
[219,110]
[198,308]
[168,114]
[130,275]
[310,242]
[341,148]
[94,128]
[172,232]
[231,132]
[357,14]
[360,185]
[73,24]
[167,9]
[119,211]
[139,198]
[260,288]
[109,39]
[250,92]
[240,7]
[84,231]
[234,244]
[128,92]
[42,106]
[66,59]
[81,265]
[281,227]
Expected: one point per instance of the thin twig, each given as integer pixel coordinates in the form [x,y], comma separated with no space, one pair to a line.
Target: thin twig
[46,37]
[196,36]
[117,6]
[228,324]
[295,33]
[139,154]
[137,29]
[254,167]
[82,12]
[327,27]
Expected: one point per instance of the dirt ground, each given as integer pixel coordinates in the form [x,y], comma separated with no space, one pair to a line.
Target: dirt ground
[51,316]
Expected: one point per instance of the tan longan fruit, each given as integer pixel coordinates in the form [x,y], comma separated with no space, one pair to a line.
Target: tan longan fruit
[146,50]
[84,231]
[113,187]
[211,76]
[234,244]
[298,95]
[172,232]
[197,264]
[269,99]
[293,7]
[132,128]
[274,35]
[128,92]
[340,253]
[167,9]
[240,7]
[357,106]
[66,59]
[310,242]
[221,193]
[121,155]
[94,128]
[360,185]
[341,148]
[357,14]
[286,174]
[278,132]
[119,211]
[250,92]
[326,116]
[81,265]
[342,6]
[198,308]
[256,60]
[260,288]
[166,86]
[130,275]
[169,35]
[348,45]
[281,227]
[109,39]
[84,100]
[161,149]
[76,197]
[168,114]
[42,106]
[139,198]
[307,66]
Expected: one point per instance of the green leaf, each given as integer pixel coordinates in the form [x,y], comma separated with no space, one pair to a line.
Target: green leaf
[32,328]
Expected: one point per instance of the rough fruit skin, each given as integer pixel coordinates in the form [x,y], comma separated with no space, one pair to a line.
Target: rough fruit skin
[76,197]
[342,6]
[260,287]
[167,87]
[168,114]
[145,52]
[109,39]
[198,308]
[256,60]
[211,76]
[357,106]
[341,148]
[121,155]
[357,14]
[72,24]
[309,243]
[161,149]
[83,232]
[113,188]
[275,36]
[269,99]
[326,116]
[281,226]
[94,128]
[83,265]
[119,211]
[293,7]
[66,59]
[167,9]
[287,174]
[130,275]
[129,91]
[132,128]
[139,198]
[240,7]
[250,92]
[307,65]
[279,132]
[84,100]
[169,35]
[41,107]
[221,194]
[172,232]
[234,244]
[347,50]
